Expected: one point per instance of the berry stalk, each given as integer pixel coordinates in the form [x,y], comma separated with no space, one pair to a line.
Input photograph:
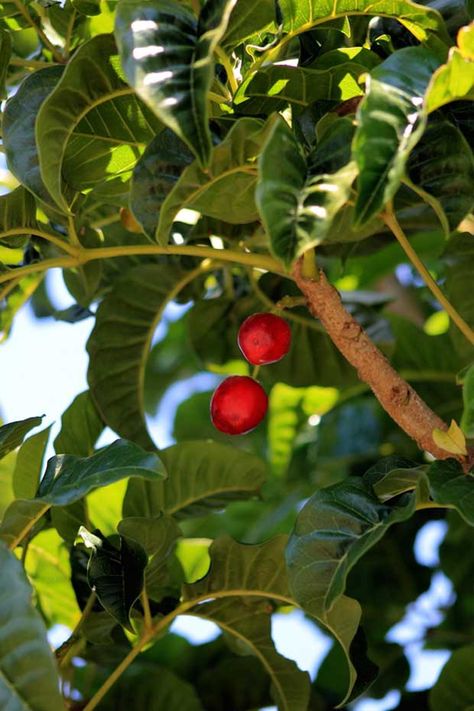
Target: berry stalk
[396,396]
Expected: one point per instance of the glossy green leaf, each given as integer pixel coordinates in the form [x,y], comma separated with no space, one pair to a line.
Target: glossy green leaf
[28,466]
[7,468]
[81,427]
[88,132]
[118,355]
[12,435]
[224,190]
[300,15]
[68,478]
[442,164]
[455,79]
[202,475]
[24,646]
[274,87]
[154,177]
[455,686]
[116,573]
[19,128]
[5,52]
[391,120]
[451,487]
[297,210]
[467,420]
[158,536]
[167,58]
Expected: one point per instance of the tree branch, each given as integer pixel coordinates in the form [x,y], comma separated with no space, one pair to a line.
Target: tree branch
[395,395]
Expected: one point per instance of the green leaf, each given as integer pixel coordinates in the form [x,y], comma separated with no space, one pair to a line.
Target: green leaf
[12,435]
[333,530]
[256,571]
[7,468]
[297,210]
[151,687]
[154,177]
[158,536]
[167,58]
[225,189]
[19,121]
[442,164]
[455,79]
[248,18]
[49,570]
[455,686]
[28,466]
[201,476]
[68,478]
[274,87]
[116,573]
[119,344]
[459,255]
[301,15]
[391,120]
[250,627]
[28,676]
[89,132]
[450,486]
[17,217]
[5,52]
[16,298]
[81,427]
[467,420]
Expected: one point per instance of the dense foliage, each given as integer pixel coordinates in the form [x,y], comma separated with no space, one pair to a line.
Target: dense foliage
[183,151]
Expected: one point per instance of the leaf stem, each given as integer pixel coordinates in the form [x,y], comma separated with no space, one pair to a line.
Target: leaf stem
[309,269]
[392,223]
[61,652]
[223,59]
[44,39]
[44,235]
[26,529]
[30,63]
[147,618]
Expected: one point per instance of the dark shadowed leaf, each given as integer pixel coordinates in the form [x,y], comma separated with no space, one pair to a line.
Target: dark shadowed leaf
[155,175]
[116,573]
[467,421]
[19,128]
[152,688]
[29,678]
[455,686]
[442,164]
[119,344]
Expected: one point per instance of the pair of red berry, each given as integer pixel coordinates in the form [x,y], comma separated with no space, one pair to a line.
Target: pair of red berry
[240,403]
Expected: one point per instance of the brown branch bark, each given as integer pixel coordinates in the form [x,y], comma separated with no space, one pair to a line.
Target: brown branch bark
[395,395]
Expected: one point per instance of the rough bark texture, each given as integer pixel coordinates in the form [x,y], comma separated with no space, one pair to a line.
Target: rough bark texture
[395,395]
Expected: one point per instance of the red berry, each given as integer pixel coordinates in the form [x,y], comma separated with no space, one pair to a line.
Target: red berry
[264,338]
[238,405]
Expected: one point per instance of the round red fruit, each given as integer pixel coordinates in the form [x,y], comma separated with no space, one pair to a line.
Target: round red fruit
[264,338]
[238,405]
